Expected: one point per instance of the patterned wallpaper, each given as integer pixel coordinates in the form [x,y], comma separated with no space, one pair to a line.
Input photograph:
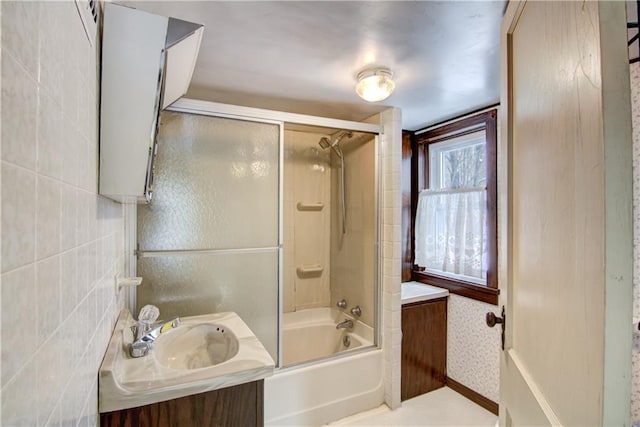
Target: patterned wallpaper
[635,110]
[473,349]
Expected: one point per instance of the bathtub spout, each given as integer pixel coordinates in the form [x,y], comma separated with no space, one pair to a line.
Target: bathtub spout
[345,324]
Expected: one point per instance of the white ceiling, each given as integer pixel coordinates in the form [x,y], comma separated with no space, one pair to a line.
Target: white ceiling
[303,56]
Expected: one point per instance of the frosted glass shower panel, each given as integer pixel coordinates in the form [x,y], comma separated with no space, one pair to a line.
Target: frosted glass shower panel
[216,185]
[208,242]
[193,284]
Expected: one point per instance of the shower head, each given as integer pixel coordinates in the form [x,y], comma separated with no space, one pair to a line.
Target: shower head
[324,143]
[335,143]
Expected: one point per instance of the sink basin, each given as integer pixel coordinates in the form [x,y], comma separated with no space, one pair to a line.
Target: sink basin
[195,347]
[203,353]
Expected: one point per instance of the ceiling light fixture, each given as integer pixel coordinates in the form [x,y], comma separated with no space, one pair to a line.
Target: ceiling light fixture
[375,84]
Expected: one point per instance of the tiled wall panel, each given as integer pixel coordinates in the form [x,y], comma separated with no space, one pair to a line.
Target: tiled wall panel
[61,242]
[391,166]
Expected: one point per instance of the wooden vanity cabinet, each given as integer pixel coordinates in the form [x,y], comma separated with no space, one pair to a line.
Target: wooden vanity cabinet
[424,347]
[240,405]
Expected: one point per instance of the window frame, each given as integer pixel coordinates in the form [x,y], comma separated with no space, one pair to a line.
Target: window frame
[486,120]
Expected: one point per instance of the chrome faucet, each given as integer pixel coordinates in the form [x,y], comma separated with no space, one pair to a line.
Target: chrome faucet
[147,333]
[345,324]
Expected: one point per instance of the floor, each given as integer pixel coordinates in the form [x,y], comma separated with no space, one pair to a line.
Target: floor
[442,407]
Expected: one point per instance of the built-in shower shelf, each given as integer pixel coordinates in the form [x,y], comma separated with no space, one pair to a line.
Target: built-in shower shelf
[310,206]
[310,270]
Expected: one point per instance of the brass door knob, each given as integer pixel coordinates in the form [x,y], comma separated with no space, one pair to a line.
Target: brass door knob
[492,319]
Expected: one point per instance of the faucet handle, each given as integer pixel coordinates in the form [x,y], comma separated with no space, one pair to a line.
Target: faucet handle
[139,349]
[356,311]
[149,314]
[342,304]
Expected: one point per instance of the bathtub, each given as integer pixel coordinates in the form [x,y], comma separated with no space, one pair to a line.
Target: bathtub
[311,334]
[311,389]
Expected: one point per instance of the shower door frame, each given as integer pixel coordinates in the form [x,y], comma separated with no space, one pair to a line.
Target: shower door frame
[280,118]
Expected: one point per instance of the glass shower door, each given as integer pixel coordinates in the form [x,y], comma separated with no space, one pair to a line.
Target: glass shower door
[209,241]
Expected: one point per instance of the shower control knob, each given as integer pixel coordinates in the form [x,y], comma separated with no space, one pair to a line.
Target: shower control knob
[342,304]
[356,311]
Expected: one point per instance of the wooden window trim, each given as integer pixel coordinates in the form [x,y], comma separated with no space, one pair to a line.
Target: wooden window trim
[420,180]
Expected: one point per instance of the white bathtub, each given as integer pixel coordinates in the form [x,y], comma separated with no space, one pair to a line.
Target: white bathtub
[311,334]
[313,394]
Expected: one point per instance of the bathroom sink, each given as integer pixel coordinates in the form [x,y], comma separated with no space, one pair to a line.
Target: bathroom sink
[195,347]
[203,353]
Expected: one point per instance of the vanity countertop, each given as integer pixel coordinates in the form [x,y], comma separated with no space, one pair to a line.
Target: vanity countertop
[126,382]
[417,292]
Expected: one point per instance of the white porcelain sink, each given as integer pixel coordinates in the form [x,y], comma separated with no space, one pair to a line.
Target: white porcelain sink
[195,347]
[203,353]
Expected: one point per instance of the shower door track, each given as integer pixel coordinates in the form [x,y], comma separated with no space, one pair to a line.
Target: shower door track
[163,253]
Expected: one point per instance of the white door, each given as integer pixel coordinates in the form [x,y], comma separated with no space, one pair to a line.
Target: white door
[565,214]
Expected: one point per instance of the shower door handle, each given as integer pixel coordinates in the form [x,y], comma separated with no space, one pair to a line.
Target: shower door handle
[492,320]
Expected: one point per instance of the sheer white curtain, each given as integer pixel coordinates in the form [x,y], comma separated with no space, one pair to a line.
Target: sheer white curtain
[451,233]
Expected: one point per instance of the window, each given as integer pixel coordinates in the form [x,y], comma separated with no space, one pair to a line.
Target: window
[455,244]
[458,162]
[450,219]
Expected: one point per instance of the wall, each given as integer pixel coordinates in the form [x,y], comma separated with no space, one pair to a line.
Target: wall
[391,240]
[473,349]
[312,175]
[60,240]
[353,253]
[307,234]
[634,70]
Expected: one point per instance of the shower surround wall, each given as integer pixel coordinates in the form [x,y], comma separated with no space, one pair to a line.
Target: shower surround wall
[313,234]
[61,242]
[353,253]
[307,221]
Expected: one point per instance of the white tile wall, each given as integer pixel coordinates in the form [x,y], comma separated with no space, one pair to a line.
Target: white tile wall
[391,152]
[61,242]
